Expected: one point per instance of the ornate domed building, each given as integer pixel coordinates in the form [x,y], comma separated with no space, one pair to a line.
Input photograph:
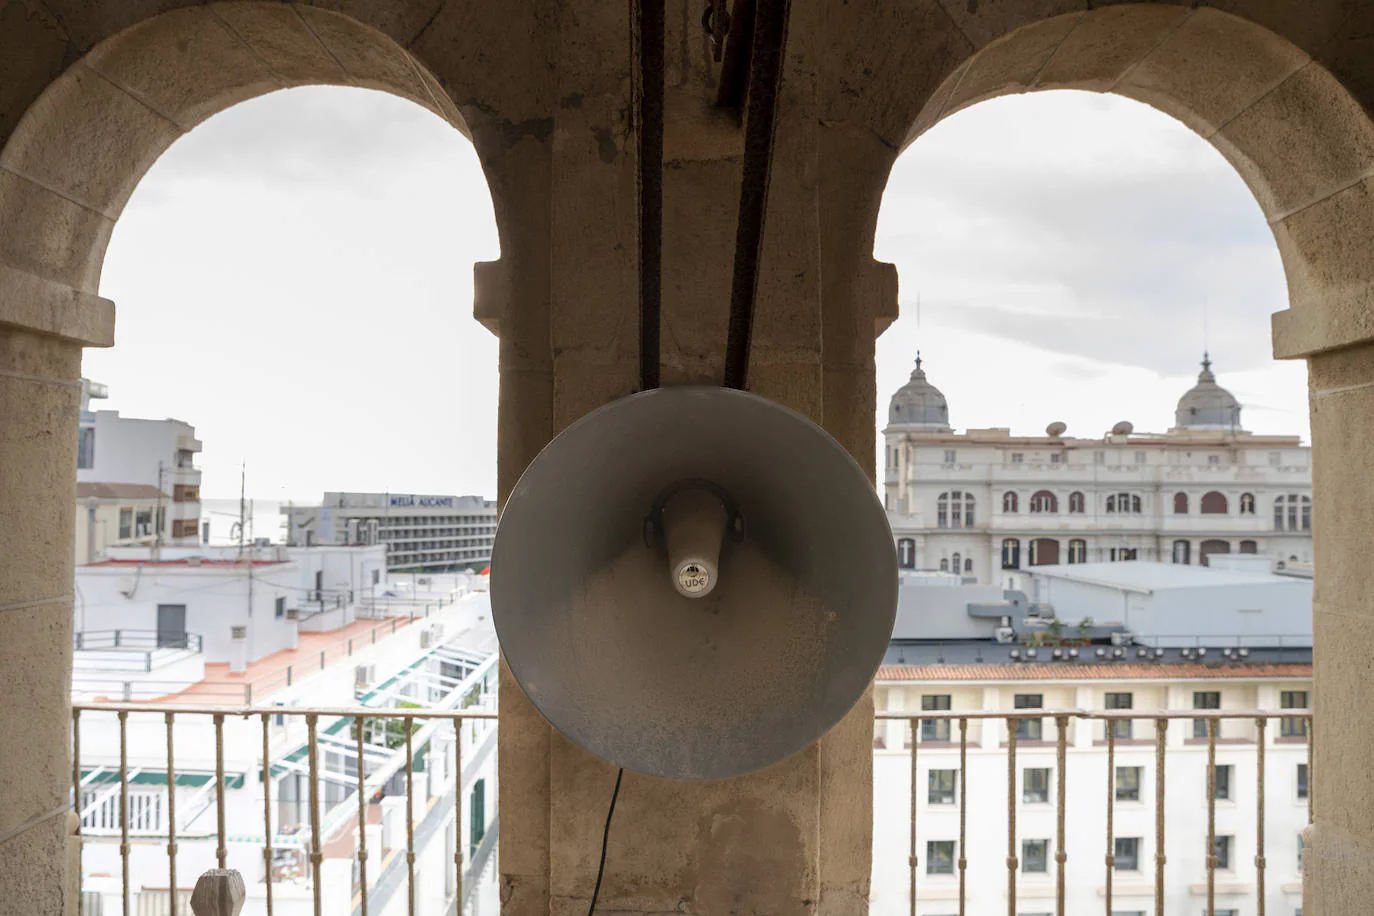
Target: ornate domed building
[987,505]
[918,404]
[1207,405]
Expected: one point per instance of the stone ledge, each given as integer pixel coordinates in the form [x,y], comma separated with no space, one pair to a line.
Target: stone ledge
[53,309]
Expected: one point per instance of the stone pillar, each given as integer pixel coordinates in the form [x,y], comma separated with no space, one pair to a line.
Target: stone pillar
[1339,865]
[39,405]
[796,837]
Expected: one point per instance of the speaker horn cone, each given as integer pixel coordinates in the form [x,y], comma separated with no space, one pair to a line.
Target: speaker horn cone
[645,621]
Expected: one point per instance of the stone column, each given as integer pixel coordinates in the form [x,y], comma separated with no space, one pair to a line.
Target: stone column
[43,326]
[1339,864]
[796,837]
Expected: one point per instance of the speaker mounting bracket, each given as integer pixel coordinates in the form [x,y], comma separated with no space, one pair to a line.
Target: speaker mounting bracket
[653,523]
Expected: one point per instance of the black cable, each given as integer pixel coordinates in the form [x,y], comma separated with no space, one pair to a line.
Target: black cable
[765,83]
[650,18]
[605,837]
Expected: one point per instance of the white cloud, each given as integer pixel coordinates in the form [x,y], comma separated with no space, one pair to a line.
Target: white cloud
[1071,251]
[294,277]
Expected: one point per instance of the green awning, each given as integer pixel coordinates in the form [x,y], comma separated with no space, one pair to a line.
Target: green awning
[105,777]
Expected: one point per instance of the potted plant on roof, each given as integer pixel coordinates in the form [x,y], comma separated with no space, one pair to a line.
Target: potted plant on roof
[1084,630]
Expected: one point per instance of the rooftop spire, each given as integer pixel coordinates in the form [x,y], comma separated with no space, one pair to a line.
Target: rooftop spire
[1206,374]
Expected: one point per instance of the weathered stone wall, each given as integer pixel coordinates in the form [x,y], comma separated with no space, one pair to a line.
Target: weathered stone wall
[92,93]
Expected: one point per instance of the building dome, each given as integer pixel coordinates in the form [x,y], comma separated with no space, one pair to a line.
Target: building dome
[919,404]
[1207,405]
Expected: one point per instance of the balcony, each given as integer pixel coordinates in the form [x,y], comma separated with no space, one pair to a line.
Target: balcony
[1136,833]
[1101,811]
[174,792]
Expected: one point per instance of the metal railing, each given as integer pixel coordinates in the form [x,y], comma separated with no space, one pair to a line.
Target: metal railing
[134,639]
[420,728]
[1295,719]
[242,692]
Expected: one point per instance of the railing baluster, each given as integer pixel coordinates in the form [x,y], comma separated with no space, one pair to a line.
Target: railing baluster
[267,809]
[1111,814]
[410,818]
[1161,731]
[222,852]
[963,807]
[171,816]
[124,805]
[457,814]
[1011,817]
[360,725]
[1211,816]
[911,855]
[76,792]
[311,719]
[1060,855]
[1260,724]
[1311,774]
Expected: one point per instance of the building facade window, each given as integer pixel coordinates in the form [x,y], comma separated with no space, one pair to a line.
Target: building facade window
[1211,546]
[939,857]
[1029,729]
[1204,699]
[279,610]
[935,729]
[85,448]
[1221,849]
[1044,552]
[1249,547]
[1099,457]
[1018,458]
[906,553]
[1011,553]
[956,563]
[1213,503]
[1126,853]
[1123,504]
[1180,504]
[1044,502]
[1119,728]
[1121,554]
[1183,552]
[1078,551]
[1128,784]
[126,523]
[1302,782]
[968,564]
[1035,786]
[950,455]
[1223,773]
[944,564]
[954,509]
[1293,513]
[1056,458]
[1076,503]
[1010,502]
[1035,856]
[941,786]
[1247,504]
[1293,726]
[1213,461]
[1139,457]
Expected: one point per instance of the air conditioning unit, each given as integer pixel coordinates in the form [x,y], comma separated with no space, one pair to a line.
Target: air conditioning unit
[1121,638]
[364,676]
[431,636]
[1005,634]
[293,613]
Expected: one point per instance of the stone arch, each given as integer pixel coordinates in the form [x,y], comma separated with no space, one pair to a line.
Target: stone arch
[75,156]
[1301,142]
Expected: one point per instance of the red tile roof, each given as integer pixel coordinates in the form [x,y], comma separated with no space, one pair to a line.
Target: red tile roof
[1117,671]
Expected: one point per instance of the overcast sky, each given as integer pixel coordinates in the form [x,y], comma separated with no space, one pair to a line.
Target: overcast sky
[294,277]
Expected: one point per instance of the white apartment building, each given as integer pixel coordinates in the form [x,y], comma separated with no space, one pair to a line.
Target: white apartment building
[443,659]
[137,482]
[422,533]
[985,503]
[999,685]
